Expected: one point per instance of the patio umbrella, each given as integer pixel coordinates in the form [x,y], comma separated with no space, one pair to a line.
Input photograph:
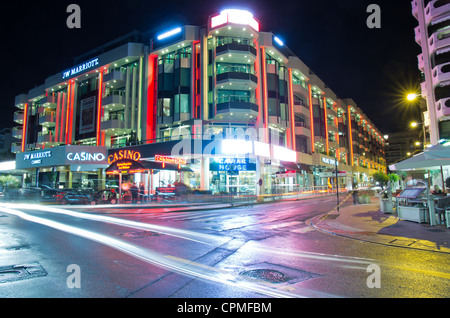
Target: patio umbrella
[431,158]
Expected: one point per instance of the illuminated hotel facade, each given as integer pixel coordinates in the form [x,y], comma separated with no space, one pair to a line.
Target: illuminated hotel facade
[432,34]
[233,102]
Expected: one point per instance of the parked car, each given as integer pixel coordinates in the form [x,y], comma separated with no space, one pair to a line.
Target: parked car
[64,196]
[104,196]
[23,195]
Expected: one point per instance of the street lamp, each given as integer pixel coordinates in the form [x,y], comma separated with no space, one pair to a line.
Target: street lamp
[411,96]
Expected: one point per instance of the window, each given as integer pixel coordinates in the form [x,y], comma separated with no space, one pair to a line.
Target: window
[181,103]
[164,107]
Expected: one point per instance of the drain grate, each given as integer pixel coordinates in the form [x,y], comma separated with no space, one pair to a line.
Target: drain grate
[14,273]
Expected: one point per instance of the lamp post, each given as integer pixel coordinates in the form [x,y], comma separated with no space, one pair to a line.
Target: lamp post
[411,97]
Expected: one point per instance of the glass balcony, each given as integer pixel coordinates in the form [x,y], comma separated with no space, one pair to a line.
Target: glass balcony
[17,132]
[237,103]
[18,117]
[47,119]
[21,100]
[114,100]
[16,147]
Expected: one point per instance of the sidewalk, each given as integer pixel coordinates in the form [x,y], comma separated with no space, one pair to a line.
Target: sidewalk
[367,223]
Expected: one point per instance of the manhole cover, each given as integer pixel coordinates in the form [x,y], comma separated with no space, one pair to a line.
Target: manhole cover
[268,275]
[274,273]
[19,272]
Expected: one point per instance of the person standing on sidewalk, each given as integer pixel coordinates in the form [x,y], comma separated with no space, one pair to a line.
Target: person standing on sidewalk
[134,193]
[355,196]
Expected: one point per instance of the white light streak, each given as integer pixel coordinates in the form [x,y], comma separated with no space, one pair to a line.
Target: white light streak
[172,263]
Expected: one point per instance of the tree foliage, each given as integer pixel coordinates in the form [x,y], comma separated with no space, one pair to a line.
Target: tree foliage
[381,178]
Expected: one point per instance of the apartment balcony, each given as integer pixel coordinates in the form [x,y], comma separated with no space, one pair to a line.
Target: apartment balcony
[115,78]
[418,35]
[331,112]
[47,119]
[299,88]
[21,100]
[17,132]
[332,128]
[16,147]
[49,101]
[300,109]
[435,10]
[238,105]
[236,78]
[18,117]
[236,52]
[114,101]
[441,75]
[423,89]
[415,8]
[302,130]
[443,108]
[439,42]
[421,62]
[113,124]
[45,138]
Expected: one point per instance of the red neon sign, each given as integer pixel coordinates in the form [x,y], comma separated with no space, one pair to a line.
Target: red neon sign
[166,159]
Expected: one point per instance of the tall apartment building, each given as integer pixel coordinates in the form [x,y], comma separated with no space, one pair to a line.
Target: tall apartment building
[433,36]
[229,102]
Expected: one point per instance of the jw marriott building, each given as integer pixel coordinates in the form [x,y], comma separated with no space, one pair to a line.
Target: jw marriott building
[224,107]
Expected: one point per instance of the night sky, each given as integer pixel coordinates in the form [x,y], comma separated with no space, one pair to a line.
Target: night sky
[375,67]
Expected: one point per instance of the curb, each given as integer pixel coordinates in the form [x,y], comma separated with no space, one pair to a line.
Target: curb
[328,223]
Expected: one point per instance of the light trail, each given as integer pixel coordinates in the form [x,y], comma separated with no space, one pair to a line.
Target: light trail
[172,263]
[207,239]
[310,255]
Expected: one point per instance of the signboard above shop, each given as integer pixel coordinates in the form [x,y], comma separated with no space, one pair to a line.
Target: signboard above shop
[70,155]
[232,164]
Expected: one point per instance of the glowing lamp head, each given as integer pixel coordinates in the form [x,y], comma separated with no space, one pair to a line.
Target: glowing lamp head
[414,124]
[411,97]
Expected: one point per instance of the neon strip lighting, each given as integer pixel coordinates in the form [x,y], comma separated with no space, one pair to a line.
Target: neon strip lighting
[168,34]
[291,108]
[99,108]
[264,91]
[24,127]
[350,134]
[235,16]
[326,122]
[69,89]
[150,129]
[279,42]
[311,119]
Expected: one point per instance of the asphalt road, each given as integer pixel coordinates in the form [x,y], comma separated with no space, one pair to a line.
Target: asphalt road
[258,251]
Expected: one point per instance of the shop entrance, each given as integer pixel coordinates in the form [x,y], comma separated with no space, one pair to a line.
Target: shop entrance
[233,184]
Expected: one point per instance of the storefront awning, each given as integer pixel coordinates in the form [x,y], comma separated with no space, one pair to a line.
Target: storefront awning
[297,167]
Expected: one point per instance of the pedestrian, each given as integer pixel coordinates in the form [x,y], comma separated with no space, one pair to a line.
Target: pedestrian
[142,192]
[134,193]
[355,196]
